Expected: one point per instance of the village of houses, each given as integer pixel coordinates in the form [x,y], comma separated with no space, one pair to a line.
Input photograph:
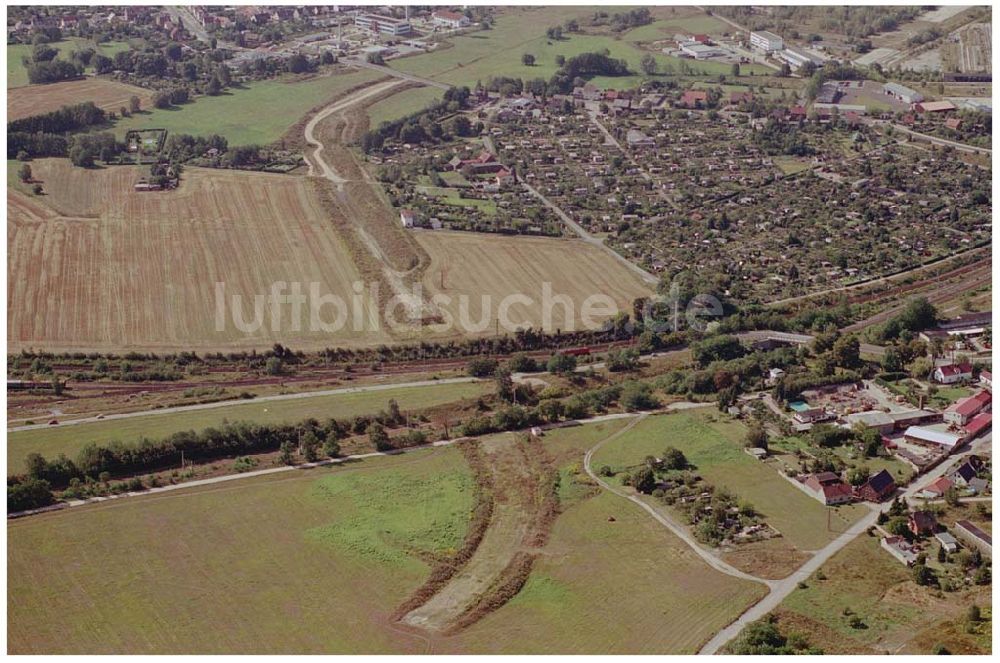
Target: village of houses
[947,448]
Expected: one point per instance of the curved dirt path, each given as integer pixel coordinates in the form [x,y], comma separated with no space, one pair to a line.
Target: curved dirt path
[677,528]
[316,157]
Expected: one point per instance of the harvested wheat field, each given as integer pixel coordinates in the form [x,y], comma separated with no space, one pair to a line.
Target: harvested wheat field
[37,99]
[485,269]
[95,265]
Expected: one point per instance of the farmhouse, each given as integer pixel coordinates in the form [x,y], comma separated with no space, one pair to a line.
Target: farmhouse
[828,488]
[932,437]
[903,93]
[899,548]
[953,373]
[878,487]
[961,412]
[766,41]
[450,19]
[974,537]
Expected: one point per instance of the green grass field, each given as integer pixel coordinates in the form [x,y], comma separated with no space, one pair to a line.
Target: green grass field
[50,442]
[666,28]
[255,115]
[626,586]
[713,443]
[402,104]
[497,52]
[315,562]
[17,73]
[267,565]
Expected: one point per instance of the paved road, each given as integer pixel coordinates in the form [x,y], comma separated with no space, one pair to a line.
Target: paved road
[342,104]
[782,588]
[395,72]
[235,402]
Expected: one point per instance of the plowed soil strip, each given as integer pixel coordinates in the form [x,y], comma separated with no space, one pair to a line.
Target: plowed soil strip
[511,527]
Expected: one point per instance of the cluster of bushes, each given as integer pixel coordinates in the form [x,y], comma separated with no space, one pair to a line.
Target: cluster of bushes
[422,126]
[792,385]
[632,396]
[726,377]
[115,459]
[45,134]
[53,71]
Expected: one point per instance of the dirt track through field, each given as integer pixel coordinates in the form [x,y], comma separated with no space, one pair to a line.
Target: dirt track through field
[511,539]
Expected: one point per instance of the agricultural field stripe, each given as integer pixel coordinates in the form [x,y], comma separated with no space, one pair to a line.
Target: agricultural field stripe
[240,401]
[288,468]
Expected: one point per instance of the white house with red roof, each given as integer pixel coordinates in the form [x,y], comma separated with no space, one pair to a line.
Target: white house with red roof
[986,379]
[828,488]
[953,373]
[450,19]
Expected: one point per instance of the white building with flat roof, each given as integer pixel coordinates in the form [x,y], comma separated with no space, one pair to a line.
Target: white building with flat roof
[377,24]
[766,41]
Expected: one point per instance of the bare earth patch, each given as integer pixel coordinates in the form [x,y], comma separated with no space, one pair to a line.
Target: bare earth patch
[517,530]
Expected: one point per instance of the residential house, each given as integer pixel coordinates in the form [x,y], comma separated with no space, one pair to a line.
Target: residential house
[693,99]
[408,218]
[922,523]
[964,474]
[450,19]
[986,379]
[936,489]
[813,415]
[974,537]
[828,488]
[952,373]
[504,178]
[878,487]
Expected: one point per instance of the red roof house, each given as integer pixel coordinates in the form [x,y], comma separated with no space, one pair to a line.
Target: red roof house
[693,99]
